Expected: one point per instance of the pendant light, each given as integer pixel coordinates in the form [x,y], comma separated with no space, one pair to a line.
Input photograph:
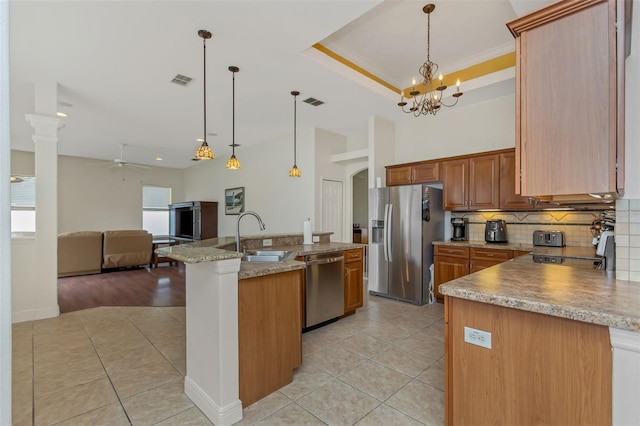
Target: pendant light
[204,152]
[295,171]
[232,162]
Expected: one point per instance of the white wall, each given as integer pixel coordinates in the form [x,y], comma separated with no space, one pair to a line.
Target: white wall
[381,149]
[281,201]
[327,144]
[92,197]
[359,140]
[454,131]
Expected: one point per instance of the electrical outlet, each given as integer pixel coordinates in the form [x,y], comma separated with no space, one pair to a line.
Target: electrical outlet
[267,242]
[477,337]
[316,238]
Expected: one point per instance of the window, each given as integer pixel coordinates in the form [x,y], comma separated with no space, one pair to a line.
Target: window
[155,209]
[23,205]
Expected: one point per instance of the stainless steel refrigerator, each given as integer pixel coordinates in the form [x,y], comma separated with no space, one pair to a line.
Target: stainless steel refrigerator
[405,220]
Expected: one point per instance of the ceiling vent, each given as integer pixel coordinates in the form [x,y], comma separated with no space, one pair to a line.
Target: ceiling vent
[181,80]
[313,101]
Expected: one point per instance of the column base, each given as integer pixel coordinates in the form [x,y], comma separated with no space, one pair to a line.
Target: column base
[220,416]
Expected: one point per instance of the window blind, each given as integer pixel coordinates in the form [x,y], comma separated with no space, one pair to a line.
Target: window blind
[23,194]
[156,197]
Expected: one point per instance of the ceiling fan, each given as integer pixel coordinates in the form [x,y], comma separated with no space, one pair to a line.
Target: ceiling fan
[119,162]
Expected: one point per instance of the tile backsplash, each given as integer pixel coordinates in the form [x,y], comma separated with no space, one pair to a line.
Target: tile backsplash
[627,233]
[576,225]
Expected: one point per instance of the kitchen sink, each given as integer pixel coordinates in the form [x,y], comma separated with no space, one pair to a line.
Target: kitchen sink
[266,256]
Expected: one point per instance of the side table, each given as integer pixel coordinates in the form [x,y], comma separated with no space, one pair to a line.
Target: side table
[158,258]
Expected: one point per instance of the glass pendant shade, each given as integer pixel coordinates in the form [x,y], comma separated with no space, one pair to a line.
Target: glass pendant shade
[233,163]
[295,171]
[204,152]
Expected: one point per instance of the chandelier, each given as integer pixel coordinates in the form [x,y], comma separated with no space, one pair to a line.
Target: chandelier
[429,100]
[204,152]
[294,171]
[232,162]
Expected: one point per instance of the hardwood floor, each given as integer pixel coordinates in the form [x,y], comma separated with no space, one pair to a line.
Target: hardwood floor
[162,286]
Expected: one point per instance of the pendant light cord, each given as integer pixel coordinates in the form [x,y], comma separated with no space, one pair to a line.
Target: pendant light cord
[233,116]
[294,130]
[204,92]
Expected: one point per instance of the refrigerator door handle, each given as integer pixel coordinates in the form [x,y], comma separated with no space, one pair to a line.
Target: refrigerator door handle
[384,237]
[389,236]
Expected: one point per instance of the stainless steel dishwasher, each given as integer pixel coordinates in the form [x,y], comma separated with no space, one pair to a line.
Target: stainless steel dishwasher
[324,288]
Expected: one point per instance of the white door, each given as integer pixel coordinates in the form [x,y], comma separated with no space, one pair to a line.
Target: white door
[332,208]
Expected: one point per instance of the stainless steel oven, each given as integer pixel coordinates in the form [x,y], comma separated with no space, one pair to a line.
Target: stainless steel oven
[324,288]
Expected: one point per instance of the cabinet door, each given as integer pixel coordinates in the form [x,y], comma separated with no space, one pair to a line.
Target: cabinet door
[353,286]
[455,183]
[484,182]
[509,178]
[400,175]
[425,173]
[447,269]
[566,105]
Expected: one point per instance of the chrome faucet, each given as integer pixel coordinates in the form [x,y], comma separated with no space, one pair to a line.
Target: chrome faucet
[260,223]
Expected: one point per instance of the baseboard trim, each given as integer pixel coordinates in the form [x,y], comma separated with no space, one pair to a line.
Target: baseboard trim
[220,416]
[35,314]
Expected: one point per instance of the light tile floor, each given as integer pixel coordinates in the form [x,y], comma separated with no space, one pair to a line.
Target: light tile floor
[126,365]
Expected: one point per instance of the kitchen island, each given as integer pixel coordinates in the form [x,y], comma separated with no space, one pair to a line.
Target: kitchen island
[547,357]
[243,319]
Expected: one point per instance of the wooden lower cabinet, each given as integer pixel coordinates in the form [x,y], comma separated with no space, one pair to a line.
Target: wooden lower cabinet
[540,370]
[353,273]
[447,269]
[451,262]
[269,330]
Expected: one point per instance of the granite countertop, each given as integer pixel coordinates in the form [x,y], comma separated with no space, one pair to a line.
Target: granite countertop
[223,248]
[587,253]
[581,294]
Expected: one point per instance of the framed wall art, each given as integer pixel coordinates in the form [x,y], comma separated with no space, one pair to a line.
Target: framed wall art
[234,200]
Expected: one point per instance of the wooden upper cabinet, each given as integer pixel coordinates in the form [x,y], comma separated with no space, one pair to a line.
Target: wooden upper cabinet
[425,172]
[509,178]
[398,175]
[484,182]
[471,183]
[407,174]
[570,98]
[455,184]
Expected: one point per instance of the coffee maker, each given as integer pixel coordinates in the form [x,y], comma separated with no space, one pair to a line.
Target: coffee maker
[460,229]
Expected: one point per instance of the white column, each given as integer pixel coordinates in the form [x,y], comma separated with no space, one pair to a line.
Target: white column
[5,222]
[45,138]
[213,378]
[626,376]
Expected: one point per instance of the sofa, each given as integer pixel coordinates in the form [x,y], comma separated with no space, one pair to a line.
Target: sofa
[79,253]
[91,252]
[126,248]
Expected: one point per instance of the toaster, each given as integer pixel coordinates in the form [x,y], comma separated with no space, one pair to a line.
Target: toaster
[495,231]
[548,238]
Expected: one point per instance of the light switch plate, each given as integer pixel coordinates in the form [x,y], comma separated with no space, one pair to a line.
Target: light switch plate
[267,242]
[477,337]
